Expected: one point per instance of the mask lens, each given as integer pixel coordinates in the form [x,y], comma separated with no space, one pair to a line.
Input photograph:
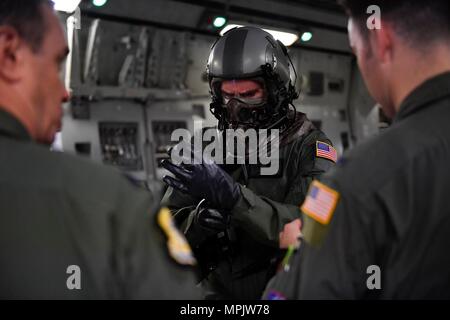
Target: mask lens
[251,101]
[250,92]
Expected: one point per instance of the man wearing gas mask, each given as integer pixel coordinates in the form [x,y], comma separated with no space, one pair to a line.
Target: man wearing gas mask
[232,215]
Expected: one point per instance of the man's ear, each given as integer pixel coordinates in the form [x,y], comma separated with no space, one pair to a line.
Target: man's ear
[11,47]
[382,42]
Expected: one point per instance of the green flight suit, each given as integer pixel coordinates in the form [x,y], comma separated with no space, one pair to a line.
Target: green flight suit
[388,235]
[240,262]
[71,229]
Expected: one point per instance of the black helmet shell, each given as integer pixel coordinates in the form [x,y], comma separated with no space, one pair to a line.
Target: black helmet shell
[240,53]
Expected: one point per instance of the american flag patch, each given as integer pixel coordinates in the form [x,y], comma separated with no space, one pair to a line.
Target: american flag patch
[326,151]
[320,202]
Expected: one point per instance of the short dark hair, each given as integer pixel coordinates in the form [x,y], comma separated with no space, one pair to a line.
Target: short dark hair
[26,17]
[416,21]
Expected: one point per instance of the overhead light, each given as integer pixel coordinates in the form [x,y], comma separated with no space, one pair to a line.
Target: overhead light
[68,6]
[219,21]
[287,38]
[99,3]
[306,36]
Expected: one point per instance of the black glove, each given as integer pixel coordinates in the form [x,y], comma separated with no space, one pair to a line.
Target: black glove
[212,220]
[205,223]
[204,181]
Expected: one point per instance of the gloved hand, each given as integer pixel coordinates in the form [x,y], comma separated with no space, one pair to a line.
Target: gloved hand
[212,220]
[204,181]
[204,223]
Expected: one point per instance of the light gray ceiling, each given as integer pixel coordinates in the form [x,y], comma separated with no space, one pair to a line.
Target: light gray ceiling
[190,13]
[324,17]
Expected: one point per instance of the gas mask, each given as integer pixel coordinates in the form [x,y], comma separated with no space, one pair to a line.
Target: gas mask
[241,115]
[242,111]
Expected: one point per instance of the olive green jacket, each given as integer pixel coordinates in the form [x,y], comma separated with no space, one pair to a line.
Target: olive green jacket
[241,262]
[62,217]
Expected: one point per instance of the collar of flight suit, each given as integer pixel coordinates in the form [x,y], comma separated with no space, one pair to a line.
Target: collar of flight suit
[430,91]
[11,127]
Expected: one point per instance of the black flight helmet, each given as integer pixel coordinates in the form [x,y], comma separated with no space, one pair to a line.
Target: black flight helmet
[251,53]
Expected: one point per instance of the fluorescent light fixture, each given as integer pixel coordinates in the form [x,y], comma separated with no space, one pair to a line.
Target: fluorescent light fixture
[99,3]
[306,36]
[287,38]
[68,6]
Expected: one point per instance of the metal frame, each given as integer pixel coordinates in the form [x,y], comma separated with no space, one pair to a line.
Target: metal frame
[141,22]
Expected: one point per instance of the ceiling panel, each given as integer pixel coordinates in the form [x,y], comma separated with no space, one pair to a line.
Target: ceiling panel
[162,11]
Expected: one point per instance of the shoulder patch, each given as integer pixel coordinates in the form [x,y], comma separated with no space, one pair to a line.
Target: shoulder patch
[326,151]
[275,295]
[177,244]
[320,203]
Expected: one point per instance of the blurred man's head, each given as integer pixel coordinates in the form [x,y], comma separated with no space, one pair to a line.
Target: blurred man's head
[412,45]
[32,51]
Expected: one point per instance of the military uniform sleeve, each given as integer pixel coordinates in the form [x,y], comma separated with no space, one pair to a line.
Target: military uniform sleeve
[149,254]
[333,257]
[283,286]
[337,252]
[311,166]
[265,218]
